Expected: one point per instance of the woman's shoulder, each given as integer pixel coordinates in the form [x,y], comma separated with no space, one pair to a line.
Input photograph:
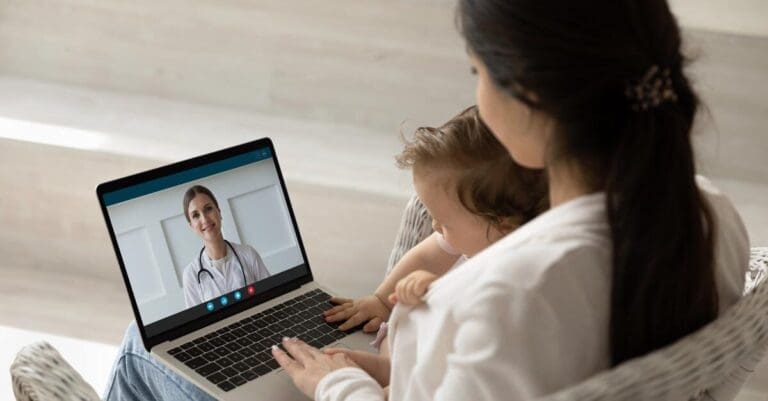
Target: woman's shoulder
[731,243]
[573,237]
[720,204]
[722,207]
[542,267]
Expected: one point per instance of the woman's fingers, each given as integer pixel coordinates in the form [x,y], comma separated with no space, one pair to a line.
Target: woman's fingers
[285,361]
[300,351]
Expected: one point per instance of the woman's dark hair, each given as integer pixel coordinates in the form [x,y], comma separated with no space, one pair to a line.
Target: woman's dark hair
[192,192]
[573,61]
[482,174]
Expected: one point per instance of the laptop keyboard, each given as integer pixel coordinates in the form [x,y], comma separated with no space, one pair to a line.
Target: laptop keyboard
[242,351]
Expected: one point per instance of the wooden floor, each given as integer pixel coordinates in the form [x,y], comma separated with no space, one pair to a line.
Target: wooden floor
[58,272]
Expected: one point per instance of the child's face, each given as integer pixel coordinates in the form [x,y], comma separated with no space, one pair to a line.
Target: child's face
[466,232]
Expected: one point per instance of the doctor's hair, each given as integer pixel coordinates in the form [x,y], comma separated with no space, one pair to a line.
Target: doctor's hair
[194,191]
[480,171]
[577,62]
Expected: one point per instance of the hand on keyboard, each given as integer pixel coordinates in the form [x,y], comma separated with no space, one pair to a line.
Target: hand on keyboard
[368,310]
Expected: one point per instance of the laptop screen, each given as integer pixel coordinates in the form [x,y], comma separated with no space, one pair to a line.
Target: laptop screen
[203,236]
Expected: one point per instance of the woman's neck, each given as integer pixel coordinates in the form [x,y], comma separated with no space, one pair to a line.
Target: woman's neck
[216,249]
[565,184]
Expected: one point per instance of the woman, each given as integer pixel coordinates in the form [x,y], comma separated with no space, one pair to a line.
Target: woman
[221,266]
[635,253]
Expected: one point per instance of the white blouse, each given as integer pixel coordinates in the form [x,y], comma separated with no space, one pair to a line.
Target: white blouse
[526,317]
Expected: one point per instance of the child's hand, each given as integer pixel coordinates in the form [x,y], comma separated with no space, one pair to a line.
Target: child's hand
[355,312]
[410,289]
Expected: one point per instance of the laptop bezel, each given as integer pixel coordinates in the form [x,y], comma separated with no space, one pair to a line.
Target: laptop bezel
[208,319]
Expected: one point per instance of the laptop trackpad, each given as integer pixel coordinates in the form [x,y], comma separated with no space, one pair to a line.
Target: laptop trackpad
[275,386]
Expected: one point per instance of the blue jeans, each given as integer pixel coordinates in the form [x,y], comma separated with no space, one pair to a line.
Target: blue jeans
[137,376]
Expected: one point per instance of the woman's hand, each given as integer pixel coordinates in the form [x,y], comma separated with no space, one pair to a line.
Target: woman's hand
[374,364]
[306,365]
[355,312]
[412,287]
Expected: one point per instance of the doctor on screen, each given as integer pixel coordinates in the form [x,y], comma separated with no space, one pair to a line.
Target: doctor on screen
[220,266]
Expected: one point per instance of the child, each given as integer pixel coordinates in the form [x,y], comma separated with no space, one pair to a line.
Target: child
[475,194]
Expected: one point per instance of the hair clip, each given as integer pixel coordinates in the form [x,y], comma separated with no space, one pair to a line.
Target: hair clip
[652,90]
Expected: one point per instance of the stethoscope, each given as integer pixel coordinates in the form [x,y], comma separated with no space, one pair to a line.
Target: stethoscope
[204,270]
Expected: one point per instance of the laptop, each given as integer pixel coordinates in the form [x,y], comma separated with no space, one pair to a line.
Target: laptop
[221,341]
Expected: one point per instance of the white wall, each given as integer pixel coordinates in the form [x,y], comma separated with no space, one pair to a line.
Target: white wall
[742,17]
[157,243]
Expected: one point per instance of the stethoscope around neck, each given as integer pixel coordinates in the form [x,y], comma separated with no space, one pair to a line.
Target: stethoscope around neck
[204,270]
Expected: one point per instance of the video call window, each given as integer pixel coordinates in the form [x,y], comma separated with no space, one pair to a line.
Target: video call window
[188,238]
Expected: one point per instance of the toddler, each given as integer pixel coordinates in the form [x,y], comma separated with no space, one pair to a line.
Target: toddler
[475,194]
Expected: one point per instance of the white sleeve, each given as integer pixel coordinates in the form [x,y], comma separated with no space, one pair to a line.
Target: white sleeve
[259,269]
[349,384]
[192,296]
[262,268]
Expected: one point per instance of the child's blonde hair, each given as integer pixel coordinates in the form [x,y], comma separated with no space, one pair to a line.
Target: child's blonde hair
[487,181]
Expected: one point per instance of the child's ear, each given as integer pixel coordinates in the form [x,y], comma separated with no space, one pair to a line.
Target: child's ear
[509,224]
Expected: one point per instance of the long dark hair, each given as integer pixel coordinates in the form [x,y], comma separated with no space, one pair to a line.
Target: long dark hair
[573,61]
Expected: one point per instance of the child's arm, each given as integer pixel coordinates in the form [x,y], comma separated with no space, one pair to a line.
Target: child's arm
[427,255]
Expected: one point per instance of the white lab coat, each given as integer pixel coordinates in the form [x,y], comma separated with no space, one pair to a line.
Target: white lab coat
[527,316]
[226,279]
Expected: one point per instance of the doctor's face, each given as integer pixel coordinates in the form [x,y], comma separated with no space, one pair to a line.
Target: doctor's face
[204,217]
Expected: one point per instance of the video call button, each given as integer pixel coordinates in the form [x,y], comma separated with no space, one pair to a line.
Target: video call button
[251,290]
[238,295]
[209,306]
[224,300]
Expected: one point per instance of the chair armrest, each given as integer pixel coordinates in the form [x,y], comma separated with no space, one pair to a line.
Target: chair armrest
[39,373]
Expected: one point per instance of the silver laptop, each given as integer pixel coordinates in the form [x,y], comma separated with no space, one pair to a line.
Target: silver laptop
[214,320]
